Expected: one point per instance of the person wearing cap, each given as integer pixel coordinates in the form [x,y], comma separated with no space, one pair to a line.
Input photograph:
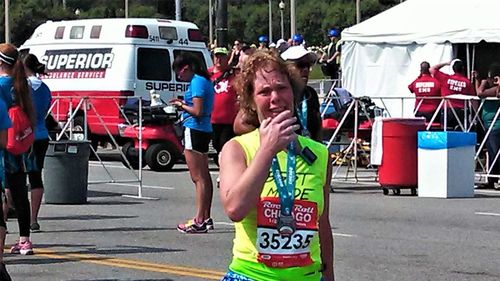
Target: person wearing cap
[308,112]
[308,105]
[297,40]
[330,60]
[225,100]
[453,84]
[263,41]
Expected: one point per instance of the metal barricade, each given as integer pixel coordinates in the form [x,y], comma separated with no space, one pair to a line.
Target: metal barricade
[472,118]
[82,107]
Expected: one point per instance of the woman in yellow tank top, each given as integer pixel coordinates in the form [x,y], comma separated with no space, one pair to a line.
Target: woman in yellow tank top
[281,215]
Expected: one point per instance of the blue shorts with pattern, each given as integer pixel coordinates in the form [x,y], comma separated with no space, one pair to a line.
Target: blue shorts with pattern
[233,276]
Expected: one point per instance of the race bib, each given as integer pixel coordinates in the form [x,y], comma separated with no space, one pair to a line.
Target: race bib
[285,251]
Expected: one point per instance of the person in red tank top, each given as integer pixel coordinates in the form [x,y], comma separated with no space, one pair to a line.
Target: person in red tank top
[225,100]
[426,86]
[454,84]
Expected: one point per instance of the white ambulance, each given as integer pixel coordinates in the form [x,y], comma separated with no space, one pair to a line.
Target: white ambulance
[106,58]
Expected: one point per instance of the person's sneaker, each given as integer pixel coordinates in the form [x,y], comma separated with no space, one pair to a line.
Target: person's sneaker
[23,248]
[209,223]
[4,275]
[192,227]
[26,248]
[35,227]
[16,248]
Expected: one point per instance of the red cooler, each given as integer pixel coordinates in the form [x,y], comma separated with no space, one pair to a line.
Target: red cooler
[399,157]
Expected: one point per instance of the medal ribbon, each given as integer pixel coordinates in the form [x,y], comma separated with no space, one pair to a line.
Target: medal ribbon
[303,117]
[286,190]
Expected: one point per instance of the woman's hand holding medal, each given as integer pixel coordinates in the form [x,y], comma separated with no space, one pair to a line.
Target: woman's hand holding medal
[276,133]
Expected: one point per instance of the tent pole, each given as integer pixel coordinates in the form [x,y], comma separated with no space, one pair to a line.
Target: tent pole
[468,60]
[473,58]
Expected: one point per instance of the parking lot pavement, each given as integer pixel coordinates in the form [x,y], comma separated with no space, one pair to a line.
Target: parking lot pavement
[377,237]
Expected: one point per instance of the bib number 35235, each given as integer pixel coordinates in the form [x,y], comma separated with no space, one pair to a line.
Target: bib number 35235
[274,241]
[284,251]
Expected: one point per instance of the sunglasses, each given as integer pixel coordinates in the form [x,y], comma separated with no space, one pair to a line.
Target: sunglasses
[303,64]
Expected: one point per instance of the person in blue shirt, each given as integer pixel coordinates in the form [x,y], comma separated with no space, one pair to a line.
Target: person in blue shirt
[5,90]
[197,108]
[41,100]
[14,84]
[5,123]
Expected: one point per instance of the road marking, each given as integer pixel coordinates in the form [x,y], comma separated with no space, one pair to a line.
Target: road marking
[343,234]
[107,166]
[486,191]
[133,264]
[146,186]
[334,234]
[334,181]
[224,223]
[487,214]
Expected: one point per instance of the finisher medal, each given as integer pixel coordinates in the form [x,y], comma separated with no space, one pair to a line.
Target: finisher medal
[286,225]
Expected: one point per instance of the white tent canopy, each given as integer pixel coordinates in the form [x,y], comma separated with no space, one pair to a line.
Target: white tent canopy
[381,55]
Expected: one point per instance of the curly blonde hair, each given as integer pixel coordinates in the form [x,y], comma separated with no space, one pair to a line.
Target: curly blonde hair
[244,82]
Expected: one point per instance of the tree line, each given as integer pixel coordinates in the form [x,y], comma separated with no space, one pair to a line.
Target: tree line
[247,19]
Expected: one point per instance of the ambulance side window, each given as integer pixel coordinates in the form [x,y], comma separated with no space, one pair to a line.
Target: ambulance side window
[95,32]
[76,32]
[153,64]
[59,32]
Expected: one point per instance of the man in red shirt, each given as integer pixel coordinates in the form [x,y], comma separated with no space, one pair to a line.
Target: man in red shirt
[225,100]
[454,84]
[426,86]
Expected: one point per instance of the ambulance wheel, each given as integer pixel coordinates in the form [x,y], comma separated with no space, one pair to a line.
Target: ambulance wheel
[132,156]
[385,191]
[414,191]
[396,191]
[161,157]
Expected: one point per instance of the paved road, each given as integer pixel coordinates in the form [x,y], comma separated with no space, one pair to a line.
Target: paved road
[376,237]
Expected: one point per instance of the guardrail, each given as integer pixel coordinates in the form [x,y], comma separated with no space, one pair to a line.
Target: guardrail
[471,121]
[472,105]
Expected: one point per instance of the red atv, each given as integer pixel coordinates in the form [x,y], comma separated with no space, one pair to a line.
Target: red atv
[161,136]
